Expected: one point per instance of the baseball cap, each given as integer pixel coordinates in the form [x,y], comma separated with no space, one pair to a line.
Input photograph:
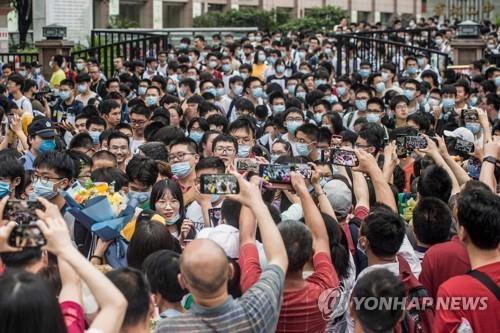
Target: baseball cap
[226,236]
[42,127]
[460,133]
[339,195]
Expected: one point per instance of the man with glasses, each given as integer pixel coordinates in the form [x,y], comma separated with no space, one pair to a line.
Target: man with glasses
[225,147]
[307,140]
[375,113]
[371,139]
[182,158]
[139,117]
[243,130]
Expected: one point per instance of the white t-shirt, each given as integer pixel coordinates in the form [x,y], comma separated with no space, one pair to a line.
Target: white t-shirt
[25,104]
[195,214]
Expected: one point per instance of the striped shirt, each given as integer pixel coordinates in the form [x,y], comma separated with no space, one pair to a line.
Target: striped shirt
[256,311]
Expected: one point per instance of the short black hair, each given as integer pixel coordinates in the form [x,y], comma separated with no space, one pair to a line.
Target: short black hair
[161,269]
[81,140]
[434,181]
[110,175]
[298,243]
[431,221]
[230,212]
[104,155]
[96,121]
[142,169]
[373,134]
[384,285]
[107,105]
[211,163]
[310,130]
[142,110]
[115,134]
[189,143]
[385,231]
[60,162]
[479,214]
[225,138]
[134,286]
[243,123]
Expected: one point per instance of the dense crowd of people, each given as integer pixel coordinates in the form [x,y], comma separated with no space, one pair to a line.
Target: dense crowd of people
[397,197]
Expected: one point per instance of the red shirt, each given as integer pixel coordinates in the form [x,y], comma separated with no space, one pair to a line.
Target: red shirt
[300,312]
[73,316]
[441,262]
[486,319]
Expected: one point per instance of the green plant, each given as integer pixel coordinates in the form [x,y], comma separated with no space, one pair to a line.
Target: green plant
[117,22]
[317,18]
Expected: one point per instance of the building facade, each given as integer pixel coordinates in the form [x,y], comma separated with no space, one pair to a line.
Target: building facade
[159,14]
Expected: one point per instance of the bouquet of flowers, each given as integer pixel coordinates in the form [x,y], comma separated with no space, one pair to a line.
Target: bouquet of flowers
[99,208]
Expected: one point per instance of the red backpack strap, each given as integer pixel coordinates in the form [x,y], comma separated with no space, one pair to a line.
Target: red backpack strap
[348,236]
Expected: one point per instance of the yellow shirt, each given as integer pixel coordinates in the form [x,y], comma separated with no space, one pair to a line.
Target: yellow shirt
[56,78]
[258,70]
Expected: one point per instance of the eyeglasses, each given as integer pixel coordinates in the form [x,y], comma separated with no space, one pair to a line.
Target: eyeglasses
[227,150]
[171,203]
[44,179]
[137,122]
[179,156]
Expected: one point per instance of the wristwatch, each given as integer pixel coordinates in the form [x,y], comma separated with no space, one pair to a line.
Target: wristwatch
[490,159]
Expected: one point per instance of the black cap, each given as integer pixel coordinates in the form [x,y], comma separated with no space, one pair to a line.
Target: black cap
[42,127]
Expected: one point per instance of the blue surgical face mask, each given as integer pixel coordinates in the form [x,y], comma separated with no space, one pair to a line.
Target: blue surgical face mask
[473,101]
[173,220]
[364,73]
[196,136]
[244,76]
[171,88]
[274,157]
[212,91]
[214,198]
[332,99]
[303,149]
[301,95]
[151,100]
[219,91]
[95,136]
[65,95]
[257,92]
[323,181]
[410,94]
[360,104]
[291,88]
[141,197]
[243,150]
[261,57]
[318,117]
[473,127]
[292,126]
[497,81]
[372,117]
[280,69]
[47,145]
[4,189]
[341,91]
[181,169]
[141,91]
[237,90]
[380,87]
[44,190]
[411,70]
[226,68]
[317,83]
[278,108]
[448,103]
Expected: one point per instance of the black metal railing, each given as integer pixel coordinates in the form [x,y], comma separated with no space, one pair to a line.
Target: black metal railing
[166,36]
[18,57]
[353,49]
[422,37]
[131,49]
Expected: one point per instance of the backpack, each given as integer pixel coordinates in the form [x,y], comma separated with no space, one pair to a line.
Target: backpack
[417,319]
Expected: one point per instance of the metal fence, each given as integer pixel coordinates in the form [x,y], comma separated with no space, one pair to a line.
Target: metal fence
[421,37]
[353,49]
[165,36]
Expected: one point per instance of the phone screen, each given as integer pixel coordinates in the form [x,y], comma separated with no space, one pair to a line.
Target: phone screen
[214,214]
[401,150]
[470,115]
[246,164]
[219,184]
[415,142]
[22,212]
[27,236]
[464,147]
[344,157]
[280,173]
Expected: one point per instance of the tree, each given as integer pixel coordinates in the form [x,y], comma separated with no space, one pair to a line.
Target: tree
[24,10]
[317,19]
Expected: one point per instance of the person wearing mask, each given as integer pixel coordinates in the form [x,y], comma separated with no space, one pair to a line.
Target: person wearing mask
[83,89]
[307,136]
[57,63]
[183,156]
[343,89]
[142,174]
[235,85]
[98,82]
[259,65]
[363,94]
[254,90]
[41,139]
[411,90]
[67,107]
